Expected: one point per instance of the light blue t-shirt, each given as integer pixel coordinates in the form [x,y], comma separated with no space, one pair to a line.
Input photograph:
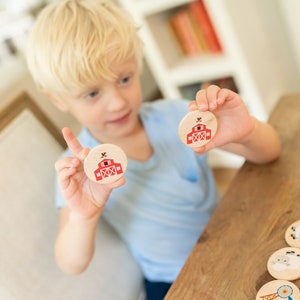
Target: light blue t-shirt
[167,201]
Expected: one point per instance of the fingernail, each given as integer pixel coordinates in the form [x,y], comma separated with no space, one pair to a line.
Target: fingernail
[202,106]
[212,105]
[74,161]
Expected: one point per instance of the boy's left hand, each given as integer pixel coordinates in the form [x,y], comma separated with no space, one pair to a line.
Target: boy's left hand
[234,120]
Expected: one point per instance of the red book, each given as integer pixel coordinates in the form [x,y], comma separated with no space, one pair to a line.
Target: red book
[201,16]
[183,30]
[198,33]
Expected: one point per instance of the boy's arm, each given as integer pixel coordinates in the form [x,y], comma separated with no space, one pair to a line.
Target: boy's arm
[237,132]
[261,145]
[74,246]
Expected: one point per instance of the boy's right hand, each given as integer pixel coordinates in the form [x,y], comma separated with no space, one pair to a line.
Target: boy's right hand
[85,197]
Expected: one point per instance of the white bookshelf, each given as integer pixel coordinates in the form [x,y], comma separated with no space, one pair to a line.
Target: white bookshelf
[257,52]
[249,55]
[290,13]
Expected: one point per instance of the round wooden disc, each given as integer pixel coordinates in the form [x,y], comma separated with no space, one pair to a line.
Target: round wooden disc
[197,128]
[292,235]
[105,163]
[278,289]
[285,263]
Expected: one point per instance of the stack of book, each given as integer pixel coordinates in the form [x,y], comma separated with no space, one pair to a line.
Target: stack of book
[194,31]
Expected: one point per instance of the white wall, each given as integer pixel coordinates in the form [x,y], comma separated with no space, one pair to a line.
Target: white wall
[275,72]
[290,10]
[18,81]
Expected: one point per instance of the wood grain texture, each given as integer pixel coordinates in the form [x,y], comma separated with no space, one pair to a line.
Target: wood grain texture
[229,261]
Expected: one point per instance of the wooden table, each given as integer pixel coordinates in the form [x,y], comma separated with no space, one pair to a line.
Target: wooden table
[229,261]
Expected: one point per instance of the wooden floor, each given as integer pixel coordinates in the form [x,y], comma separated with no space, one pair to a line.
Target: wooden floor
[223,177]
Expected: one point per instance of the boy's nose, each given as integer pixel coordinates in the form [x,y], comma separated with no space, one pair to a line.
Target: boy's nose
[115,100]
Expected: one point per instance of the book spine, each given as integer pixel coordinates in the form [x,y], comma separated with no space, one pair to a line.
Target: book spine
[182,27]
[171,23]
[201,16]
[198,33]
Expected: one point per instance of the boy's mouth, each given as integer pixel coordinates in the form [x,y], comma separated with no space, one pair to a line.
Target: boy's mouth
[120,120]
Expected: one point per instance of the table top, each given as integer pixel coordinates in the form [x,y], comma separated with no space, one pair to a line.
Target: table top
[229,261]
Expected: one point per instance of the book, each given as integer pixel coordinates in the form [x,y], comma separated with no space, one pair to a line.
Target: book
[199,12]
[176,37]
[183,30]
[198,33]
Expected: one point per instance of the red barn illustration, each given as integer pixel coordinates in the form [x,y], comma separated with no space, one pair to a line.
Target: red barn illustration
[106,168]
[199,133]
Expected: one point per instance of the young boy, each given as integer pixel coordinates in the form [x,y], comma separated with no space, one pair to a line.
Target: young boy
[86,55]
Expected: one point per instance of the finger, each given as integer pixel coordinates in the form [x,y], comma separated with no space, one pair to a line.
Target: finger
[74,145]
[201,100]
[72,142]
[66,162]
[193,105]
[108,189]
[225,95]
[203,149]
[199,150]
[212,95]
[64,177]
[118,183]
[65,168]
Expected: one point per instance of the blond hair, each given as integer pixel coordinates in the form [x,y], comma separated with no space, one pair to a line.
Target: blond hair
[74,42]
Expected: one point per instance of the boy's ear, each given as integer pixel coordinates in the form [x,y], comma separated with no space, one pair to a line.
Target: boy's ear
[58,103]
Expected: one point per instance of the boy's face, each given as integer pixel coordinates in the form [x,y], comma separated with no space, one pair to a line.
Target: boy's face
[109,109]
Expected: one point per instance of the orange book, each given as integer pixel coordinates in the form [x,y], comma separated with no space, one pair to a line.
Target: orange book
[183,29]
[199,34]
[201,16]
[176,36]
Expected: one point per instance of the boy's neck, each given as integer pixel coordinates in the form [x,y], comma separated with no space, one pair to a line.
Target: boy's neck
[136,145]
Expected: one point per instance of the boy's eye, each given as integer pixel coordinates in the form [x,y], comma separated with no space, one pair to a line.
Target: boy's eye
[125,80]
[92,94]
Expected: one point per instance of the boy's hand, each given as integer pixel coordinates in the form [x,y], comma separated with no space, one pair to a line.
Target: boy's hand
[234,120]
[85,197]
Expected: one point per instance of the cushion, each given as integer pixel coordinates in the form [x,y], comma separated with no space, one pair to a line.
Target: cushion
[29,146]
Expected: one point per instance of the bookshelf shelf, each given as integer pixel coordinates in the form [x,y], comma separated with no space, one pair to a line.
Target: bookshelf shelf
[201,68]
